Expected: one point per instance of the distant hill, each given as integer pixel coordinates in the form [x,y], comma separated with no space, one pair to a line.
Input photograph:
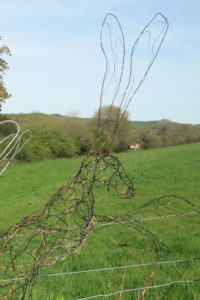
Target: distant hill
[34,117]
[58,117]
[138,124]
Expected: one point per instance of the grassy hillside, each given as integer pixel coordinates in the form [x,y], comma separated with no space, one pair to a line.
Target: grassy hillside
[28,120]
[172,170]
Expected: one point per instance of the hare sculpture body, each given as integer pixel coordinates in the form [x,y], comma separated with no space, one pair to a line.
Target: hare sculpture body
[62,226]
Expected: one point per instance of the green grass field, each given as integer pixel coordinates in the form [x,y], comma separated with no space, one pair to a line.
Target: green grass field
[166,171]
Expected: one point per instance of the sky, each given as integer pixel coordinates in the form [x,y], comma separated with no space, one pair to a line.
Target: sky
[57,65]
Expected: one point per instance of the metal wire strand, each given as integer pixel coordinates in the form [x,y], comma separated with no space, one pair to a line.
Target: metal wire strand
[142,288]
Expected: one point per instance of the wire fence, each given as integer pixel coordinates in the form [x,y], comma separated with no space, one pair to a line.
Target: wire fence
[142,289]
[132,290]
[107,269]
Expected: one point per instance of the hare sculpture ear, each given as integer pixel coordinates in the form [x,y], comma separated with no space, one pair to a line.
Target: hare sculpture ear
[11,143]
[114,90]
[113,47]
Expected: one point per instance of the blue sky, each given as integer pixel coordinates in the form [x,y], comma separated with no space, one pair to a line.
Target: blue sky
[57,65]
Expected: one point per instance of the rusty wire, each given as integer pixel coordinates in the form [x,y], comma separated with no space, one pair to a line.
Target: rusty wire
[45,237]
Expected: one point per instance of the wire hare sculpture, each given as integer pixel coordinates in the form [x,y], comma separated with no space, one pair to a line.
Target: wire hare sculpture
[64,223]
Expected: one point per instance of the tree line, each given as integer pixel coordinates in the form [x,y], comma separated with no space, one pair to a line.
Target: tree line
[56,136]
[165,133]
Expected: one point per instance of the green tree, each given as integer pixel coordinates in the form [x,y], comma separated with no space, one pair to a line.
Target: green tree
[49,141]
[109,117]
[81,131]
[4,50]
[150,141]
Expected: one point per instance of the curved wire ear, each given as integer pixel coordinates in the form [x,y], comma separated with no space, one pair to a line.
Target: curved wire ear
[114,60]
[12,144]
[150,40]
[155,31]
